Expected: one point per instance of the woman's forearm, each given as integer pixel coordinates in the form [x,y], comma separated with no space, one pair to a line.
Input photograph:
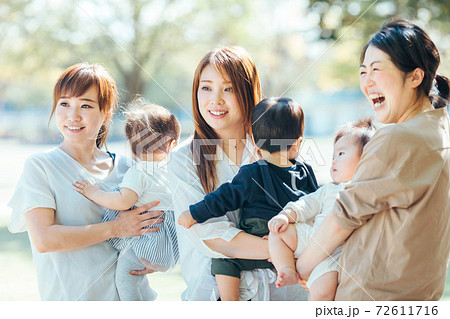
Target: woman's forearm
[65,238]
[243,245]
[325,240]
[49,237]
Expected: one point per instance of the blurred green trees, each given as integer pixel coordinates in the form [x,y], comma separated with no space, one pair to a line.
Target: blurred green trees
[153,46]
[337,15]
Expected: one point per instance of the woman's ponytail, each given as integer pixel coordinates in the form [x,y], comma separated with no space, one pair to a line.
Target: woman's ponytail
[442,86]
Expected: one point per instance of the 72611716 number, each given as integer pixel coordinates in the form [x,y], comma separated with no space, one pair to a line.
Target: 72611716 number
[407,310]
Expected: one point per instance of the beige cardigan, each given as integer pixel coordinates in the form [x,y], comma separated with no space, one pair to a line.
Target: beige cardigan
[399,207]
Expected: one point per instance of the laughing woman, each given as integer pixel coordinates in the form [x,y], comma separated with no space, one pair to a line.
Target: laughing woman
[72,258]
[396,211]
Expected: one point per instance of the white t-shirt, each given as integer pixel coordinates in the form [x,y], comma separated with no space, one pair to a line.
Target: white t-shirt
[81,274]
[150,182]
[195,256]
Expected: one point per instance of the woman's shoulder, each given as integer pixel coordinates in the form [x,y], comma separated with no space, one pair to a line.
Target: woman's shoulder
[391,146]
[413,141]
[181,152]
[423,133]
[393,133]
[42,157]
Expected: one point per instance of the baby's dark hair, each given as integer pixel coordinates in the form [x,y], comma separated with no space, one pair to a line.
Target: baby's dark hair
[150,127]
[363,130]
[277,123]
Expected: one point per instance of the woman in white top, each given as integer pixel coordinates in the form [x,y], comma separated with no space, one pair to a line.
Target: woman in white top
[226,87]
[72,257]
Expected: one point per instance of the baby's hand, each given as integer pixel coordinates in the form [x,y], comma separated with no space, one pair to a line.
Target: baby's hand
[186,219]
[278,224]
[86,188]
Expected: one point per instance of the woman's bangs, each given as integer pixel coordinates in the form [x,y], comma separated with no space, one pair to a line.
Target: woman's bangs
[77,84]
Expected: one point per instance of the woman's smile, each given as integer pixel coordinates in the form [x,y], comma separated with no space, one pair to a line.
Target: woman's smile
[73,128]
[218,114]
[217,102]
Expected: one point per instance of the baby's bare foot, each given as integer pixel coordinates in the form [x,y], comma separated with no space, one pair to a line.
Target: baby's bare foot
[286,277]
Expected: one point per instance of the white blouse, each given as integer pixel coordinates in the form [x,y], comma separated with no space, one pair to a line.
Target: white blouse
[195,256]
[81,274]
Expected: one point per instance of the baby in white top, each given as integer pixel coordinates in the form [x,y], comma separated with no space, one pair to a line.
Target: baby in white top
[293,227]
[152,132]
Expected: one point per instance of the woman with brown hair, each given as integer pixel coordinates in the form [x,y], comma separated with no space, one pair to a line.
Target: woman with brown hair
[226,88]
[73,260]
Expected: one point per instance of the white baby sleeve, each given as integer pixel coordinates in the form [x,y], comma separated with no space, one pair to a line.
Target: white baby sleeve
[134,180]
[308,206]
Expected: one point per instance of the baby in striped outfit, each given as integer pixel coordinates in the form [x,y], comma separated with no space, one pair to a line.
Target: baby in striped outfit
[152,132]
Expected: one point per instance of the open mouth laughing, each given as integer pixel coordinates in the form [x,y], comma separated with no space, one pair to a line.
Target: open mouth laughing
[377,99]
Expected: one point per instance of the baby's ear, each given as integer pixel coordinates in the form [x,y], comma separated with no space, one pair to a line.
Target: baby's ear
[171,146]
[298,142]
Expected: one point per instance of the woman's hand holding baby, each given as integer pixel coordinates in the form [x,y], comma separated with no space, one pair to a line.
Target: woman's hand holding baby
[132,223]
[186,219]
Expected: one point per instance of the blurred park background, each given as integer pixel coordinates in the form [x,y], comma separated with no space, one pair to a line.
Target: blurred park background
[304,49]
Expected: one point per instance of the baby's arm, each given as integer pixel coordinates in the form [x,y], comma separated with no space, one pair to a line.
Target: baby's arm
[280,222]
[120,200]
[228,197]
[307,207]
[186,220]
